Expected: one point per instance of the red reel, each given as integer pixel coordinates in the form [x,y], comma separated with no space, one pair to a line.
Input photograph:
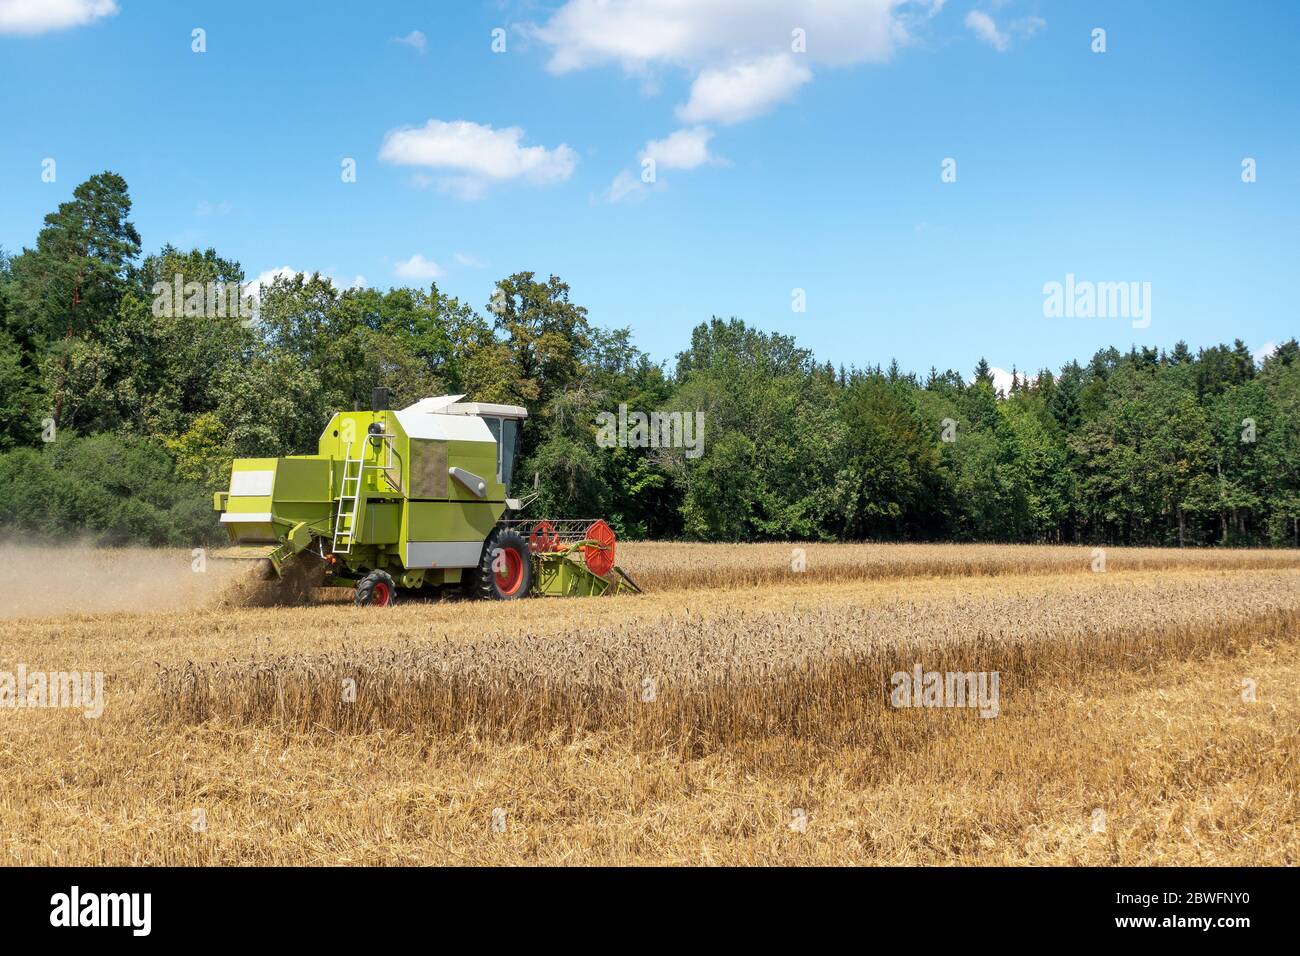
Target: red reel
[543,538]
[600,554]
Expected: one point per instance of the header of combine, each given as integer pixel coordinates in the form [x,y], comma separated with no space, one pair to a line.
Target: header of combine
[414,499]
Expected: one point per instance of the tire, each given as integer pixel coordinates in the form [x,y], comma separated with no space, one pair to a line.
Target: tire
[512,578]
[376,589]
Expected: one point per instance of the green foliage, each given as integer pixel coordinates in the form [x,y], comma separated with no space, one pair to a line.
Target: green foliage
[20,419]
[108,489]
[544,333]
[73,279]
[890,471]
[202,453]
[1137,447]
[771,436]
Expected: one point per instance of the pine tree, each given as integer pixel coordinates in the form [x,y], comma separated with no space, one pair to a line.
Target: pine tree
[79,270]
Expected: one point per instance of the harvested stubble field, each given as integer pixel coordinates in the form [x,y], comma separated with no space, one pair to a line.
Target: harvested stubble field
[694,724]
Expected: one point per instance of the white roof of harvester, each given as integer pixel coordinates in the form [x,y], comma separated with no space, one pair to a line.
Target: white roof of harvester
[486,408]
[447,418]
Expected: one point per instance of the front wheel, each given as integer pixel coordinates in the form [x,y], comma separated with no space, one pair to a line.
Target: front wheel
[505,572]
[376,589]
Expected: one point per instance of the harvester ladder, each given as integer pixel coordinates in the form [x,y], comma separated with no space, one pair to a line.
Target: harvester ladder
[345,521]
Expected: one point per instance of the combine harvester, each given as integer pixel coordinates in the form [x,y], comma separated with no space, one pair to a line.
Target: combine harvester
[412,500]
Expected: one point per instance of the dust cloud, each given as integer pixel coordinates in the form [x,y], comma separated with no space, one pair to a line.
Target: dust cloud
[47,581]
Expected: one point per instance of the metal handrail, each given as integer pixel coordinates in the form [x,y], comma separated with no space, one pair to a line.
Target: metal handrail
[387,467]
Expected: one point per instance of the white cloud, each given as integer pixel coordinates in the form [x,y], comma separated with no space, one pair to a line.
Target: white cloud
[626,187]
[982,25]
[1002,379]
[414,39]
[477,155]
[254,287]
[684,149]
[743,90]
[418,267]
[641,33]
[1263,352]
[745,55]
[37,16]
[468,261]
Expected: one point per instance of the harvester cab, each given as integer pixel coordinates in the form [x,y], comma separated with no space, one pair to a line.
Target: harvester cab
[413,500]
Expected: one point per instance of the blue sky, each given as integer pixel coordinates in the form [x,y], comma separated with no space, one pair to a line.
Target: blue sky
[776,168]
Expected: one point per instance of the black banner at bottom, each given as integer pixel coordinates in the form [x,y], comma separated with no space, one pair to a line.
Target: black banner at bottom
[335,906]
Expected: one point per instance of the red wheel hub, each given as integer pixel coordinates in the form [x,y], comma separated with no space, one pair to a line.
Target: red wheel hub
[509,570]
[381,595]
[599,551]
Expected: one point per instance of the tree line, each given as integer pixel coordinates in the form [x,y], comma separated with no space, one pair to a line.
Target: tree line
[118,417]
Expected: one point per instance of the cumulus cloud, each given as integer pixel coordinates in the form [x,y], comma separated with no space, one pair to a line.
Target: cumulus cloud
[418,267]
[638,34]
[626,187]
[473,156]
[744,56]
[468,261]
[743,90]
[250,292]
[984,27]
[254,287]
[1263,352]
[1001,379]
[38,16]
[684,149]
[415,39]
[988,31]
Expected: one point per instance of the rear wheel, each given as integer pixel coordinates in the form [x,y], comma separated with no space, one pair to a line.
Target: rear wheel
[376,589]
[505,572]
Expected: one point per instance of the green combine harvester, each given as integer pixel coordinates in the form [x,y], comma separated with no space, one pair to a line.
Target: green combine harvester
[413,501]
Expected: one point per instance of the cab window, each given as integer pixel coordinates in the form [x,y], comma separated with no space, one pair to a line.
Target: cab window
[494,426]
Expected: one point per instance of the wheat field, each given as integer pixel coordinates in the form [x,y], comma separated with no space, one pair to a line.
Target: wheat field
[739,712]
